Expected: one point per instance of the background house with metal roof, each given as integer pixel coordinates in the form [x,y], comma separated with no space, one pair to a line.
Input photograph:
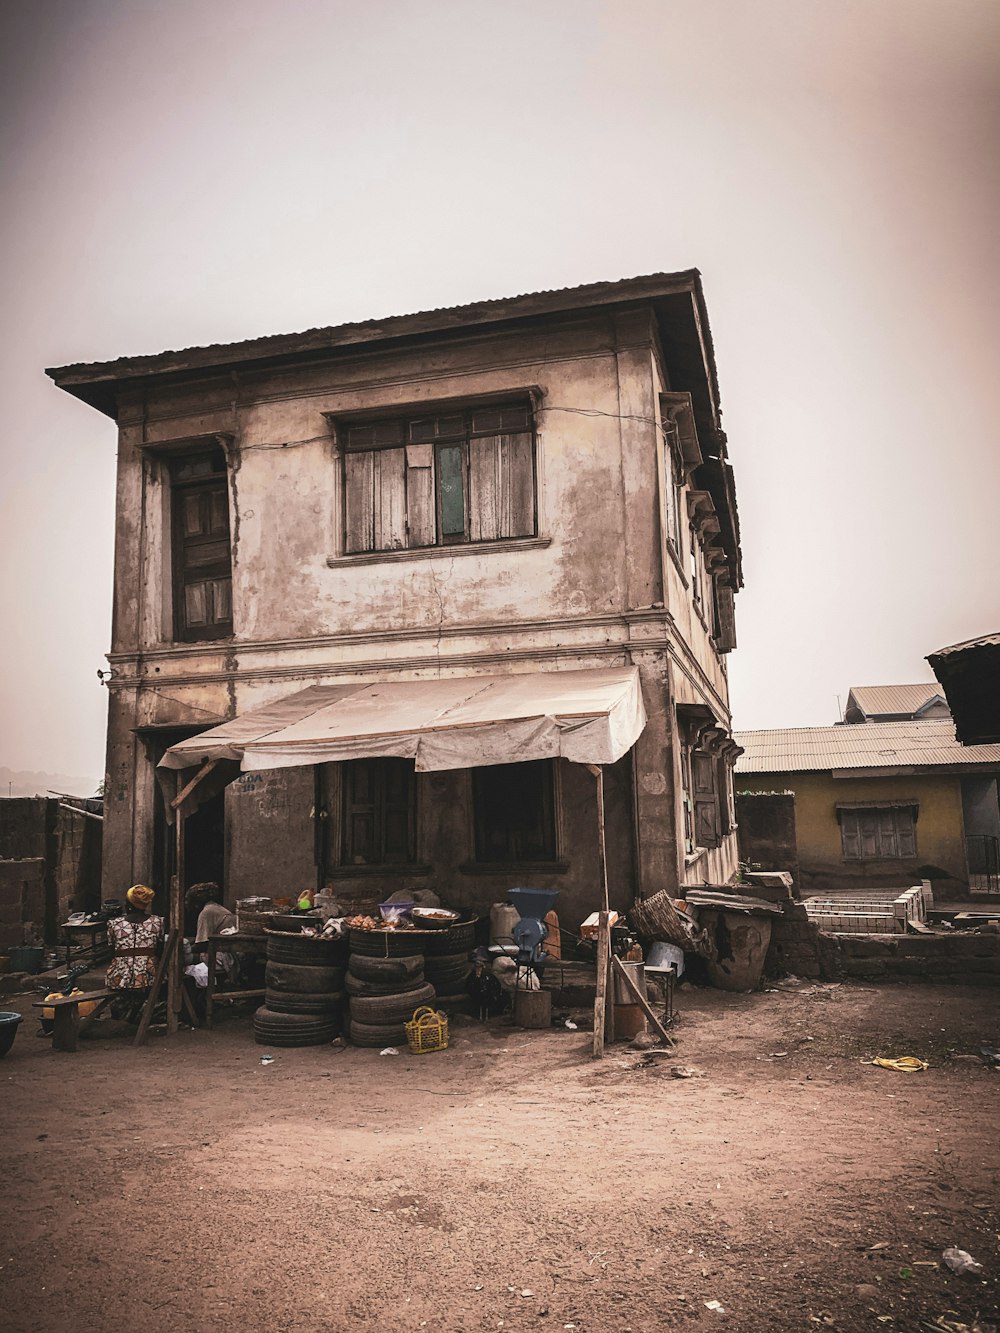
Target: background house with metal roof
[882,804]
[894,703]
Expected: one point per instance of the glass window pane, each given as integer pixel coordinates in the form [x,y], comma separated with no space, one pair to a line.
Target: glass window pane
[452,490]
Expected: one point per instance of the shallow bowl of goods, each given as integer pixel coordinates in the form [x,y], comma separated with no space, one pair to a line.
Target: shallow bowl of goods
[433,918]
[295,920]
[9,1020]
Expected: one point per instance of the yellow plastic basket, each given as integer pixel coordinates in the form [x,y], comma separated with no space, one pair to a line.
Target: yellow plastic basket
[427,1030]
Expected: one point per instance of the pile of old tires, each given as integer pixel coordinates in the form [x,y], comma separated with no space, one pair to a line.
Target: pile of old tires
[385,983]
[304,991]
[447,961]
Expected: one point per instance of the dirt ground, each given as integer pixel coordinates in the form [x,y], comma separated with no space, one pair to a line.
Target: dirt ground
[511,1182]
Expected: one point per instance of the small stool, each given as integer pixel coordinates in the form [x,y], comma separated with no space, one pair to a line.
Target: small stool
[66,1021]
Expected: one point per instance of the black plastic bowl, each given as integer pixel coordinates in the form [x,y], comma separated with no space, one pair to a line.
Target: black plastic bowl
[8,1029]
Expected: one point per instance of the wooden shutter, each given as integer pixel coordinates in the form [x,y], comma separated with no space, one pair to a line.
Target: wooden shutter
[906,833]
[726,606]
[868,832]
[359,473]
[885,821]
[397,784]
[850,835]
[360,813]
[501,487]
[421,528]
[203,560]
[390,499]
[706,800]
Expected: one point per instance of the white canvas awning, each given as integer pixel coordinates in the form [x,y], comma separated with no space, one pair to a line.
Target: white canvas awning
[588,717]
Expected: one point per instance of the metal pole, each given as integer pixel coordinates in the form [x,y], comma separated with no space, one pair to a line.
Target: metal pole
[176,916]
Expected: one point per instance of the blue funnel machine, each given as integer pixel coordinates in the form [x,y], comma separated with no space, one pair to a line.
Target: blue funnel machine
[534,902]
[530,932]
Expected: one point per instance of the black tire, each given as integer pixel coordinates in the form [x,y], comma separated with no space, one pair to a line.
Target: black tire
[405,971]
[355,986]
[383,1009]
[276,1029]
[456,939]
[374,1034]
[389,943]
[301,1002]
[293,977]
[304,950]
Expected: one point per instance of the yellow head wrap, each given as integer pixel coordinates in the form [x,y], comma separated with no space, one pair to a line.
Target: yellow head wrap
[140,896]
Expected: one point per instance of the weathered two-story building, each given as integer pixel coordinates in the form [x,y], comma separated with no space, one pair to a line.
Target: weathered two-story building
[535,488]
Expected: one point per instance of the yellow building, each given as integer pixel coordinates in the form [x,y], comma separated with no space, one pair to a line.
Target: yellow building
[882,804]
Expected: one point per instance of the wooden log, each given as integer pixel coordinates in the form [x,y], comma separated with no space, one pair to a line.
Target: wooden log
[601,995]
[207,767]
[641,1001]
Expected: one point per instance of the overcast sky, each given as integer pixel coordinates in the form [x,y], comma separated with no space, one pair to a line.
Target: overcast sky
[179,172]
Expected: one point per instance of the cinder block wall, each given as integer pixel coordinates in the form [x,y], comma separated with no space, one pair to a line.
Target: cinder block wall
[966,959]
[22,901]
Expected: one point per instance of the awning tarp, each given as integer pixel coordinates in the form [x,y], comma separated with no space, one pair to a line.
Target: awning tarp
[587,717]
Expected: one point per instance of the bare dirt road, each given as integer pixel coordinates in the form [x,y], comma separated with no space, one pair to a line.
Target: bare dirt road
[511,1183]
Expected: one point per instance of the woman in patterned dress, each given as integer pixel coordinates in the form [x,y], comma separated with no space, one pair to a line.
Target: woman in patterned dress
[136,939]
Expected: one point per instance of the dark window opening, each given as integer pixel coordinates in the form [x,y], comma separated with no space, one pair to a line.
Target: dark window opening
[515,812]
[202,557]
[466,476]
[379,812]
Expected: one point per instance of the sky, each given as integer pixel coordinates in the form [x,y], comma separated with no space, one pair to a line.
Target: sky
[185,172]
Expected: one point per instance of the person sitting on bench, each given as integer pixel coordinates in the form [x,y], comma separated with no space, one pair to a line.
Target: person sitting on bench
[136,939]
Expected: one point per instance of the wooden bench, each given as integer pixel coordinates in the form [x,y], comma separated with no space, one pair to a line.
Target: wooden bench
[66,1021]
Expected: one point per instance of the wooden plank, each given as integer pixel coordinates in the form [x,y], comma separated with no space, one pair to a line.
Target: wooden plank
[359,502]
[601,994]
[390,499]
[517,486]
[154,994]
[484,489]
[640,1000]
[185,792]
[421,526]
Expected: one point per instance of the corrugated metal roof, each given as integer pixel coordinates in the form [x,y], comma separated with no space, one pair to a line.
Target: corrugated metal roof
[878,699]
[873,745]
[986,641]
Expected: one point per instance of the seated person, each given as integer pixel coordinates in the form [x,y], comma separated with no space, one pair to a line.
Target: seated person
[213,918]
[136,938]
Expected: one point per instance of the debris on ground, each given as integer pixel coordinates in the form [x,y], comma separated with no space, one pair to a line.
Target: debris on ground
[686,1071]
[960,1261]
[388,1050]
[903,1064]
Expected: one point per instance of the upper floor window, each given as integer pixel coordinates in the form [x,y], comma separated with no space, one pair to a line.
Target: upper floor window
[440,479]
[202,558]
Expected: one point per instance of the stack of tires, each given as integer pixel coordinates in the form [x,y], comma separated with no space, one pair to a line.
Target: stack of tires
[447,962]
[385,983]
[304,991]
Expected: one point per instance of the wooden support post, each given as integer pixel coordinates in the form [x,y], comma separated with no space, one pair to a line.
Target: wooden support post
[604,1018]
[175,922]
[640,999]
[154,995]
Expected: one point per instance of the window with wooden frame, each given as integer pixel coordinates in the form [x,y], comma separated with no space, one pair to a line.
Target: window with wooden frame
[440,478]
[514,813]
[878,832]
[202,555]
[379,812]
